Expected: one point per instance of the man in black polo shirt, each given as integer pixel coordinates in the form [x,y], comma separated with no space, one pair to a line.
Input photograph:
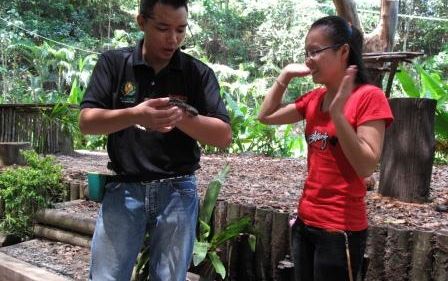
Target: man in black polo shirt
[152,145]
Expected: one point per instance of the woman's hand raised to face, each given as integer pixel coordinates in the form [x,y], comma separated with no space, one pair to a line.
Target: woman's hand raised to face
[345,89]
[295,70]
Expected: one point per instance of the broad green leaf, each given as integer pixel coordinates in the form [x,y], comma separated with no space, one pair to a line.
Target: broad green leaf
[231,231]
[211,195]
[233,106]
[441,124]
[200,250]
[217,264]
[431,85]
[407,83]
[204,230]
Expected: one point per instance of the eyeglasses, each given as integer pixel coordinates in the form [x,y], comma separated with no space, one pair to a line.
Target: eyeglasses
[313,53]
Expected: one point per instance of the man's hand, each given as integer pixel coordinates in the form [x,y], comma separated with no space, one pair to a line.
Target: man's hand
[157,115]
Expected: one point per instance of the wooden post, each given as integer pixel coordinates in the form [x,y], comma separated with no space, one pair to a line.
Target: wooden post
[263,228]
[376,244]
[440,268]
[397,256]
[280,245]
[421,256]
[408,152]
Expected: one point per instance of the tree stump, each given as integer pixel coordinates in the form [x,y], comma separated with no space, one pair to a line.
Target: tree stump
[10,153]
[408,153]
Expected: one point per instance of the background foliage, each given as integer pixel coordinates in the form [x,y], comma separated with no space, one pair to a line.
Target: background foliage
[246,42]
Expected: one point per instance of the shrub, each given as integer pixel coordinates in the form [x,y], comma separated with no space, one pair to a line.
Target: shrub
[25,190]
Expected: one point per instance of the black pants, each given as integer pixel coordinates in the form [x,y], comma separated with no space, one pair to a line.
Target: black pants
[320,255]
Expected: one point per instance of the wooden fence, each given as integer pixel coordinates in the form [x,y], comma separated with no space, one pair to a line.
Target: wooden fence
[28,123]
[393,253]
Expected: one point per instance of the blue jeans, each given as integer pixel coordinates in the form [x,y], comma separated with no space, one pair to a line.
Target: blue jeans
[166,210]
[320,255]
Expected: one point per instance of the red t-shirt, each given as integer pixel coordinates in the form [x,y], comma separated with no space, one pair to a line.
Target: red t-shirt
[333,196]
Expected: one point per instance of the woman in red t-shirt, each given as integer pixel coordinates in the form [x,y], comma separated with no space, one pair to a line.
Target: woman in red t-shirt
[345,124]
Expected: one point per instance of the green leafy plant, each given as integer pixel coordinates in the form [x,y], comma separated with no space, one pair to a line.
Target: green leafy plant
[429,85]
[24,190]
[207,245]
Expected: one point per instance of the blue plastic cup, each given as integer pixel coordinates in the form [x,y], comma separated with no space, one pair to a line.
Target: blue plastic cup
[96,185]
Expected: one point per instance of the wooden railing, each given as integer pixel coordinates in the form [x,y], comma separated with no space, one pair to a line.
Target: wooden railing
[28,123]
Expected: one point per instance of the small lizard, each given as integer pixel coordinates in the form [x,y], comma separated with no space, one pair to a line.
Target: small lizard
[190,110]
[184,106]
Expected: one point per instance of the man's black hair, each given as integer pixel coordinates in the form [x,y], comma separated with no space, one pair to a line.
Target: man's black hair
[147,6]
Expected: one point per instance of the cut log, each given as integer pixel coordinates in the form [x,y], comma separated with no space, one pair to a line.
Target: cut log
[408,153]
[421,263]
[246,270]
[60,219]
[397,256]
[375,250]
[233,213]
[10,153]
[219,223]
[74,191]
[440,268]
[280,240]
[62,236]
[263,228]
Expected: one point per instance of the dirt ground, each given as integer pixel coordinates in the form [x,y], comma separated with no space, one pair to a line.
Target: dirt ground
[276,183]
[253,180]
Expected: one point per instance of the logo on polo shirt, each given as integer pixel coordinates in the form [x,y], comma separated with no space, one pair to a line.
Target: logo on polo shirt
[128,93]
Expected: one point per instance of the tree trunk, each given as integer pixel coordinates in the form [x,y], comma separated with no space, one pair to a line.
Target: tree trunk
[408,152]
[382,38]
[347,10]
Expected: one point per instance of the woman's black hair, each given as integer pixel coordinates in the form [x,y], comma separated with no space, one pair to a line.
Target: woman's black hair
[340,32]
[147,6]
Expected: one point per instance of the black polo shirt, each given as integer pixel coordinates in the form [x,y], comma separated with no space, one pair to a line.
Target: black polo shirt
[122,78]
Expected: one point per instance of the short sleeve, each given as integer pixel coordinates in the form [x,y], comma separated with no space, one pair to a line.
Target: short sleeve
[374,106]
[302,101]
[99,90]
[213,103]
